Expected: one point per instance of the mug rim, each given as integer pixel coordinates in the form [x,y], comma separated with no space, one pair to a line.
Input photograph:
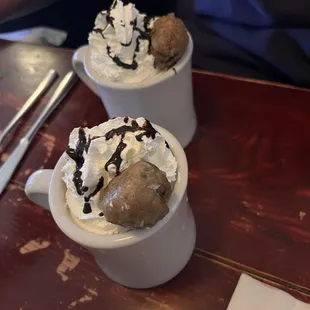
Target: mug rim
[98,80]
[66,223]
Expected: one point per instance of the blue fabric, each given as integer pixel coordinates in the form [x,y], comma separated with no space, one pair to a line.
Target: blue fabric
[271,36]
[238,11]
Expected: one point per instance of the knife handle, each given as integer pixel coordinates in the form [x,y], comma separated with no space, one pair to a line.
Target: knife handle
[60,92]
[8,168]
[43,86]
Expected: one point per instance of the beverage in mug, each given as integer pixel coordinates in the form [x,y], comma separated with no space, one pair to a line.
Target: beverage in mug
[119,190]
[141,66]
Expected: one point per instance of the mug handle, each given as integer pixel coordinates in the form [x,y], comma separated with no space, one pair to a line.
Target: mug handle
[78,66]
[37,186]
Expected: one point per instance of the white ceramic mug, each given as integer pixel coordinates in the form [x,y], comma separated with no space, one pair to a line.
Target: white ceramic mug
[166,100]
[138,258]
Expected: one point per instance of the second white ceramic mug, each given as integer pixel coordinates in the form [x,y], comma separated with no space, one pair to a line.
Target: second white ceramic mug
[166,100]
[138,258]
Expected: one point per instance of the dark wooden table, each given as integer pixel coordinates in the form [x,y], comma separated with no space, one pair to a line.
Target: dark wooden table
[249,187]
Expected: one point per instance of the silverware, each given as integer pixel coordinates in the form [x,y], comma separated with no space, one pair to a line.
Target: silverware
[8,168]
[43,86]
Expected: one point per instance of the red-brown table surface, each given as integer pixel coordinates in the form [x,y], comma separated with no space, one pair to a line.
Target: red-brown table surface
[249,188]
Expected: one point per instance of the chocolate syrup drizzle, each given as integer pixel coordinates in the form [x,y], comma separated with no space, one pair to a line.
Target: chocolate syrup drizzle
[83,145]
[87,207]
[77,155]
[116,158]
[113,4]
[148,131]
[126,44]
[109,18]
[100,31]
[143,35]
[121,130]
[147,128]
[118,62]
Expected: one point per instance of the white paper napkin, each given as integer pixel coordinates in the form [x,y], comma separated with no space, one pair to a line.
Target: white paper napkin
[251,294]
[39,35]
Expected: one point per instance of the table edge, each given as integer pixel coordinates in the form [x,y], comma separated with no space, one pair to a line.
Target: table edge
[197,71]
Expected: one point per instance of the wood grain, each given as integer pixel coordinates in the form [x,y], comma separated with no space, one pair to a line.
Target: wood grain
[249,175]
[31,280]
[249,188]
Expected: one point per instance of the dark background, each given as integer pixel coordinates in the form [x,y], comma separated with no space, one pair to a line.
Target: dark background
[77,17]
[261,39]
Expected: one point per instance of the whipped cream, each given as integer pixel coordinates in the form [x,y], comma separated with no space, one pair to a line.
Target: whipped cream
[96,155]
[119,44]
